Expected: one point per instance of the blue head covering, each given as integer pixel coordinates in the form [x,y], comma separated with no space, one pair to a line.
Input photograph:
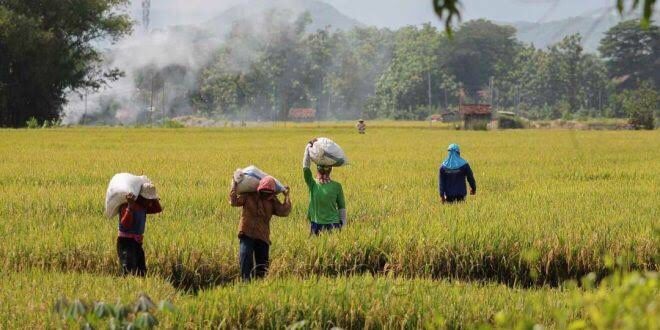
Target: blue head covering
[454,160]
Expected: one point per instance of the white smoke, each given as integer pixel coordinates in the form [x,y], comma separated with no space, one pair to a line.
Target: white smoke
[189,47]
[186,47]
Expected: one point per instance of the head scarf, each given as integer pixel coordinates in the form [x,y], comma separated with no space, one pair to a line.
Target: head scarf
[323,178]
[454,160]
[266,184]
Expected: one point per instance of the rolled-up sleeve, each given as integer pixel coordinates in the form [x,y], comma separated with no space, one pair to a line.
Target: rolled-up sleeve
[236,199]
[282,209]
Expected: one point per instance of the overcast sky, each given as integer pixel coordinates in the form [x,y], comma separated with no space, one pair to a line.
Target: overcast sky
[389,13]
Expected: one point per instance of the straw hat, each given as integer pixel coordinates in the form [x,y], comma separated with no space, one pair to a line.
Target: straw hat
[148,191]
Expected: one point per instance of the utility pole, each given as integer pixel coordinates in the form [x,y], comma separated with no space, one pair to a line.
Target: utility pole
[517,97]
[163,102]
[146,14]
[151,103]
[461,93]
[430,95]
[491,83]
[85,113]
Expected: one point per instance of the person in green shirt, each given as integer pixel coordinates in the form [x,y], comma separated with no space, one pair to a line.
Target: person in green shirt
[327,207]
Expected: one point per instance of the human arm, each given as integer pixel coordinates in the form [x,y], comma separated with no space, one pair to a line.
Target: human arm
[283,209]
[126,215]
[341,206]
[441,184]
[307,160]
[235,199]
[154,207]
[307,172]
[342,217]
[470,178]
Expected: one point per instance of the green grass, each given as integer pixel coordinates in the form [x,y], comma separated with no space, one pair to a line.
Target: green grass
[551,206]
[357,302]
[622,302]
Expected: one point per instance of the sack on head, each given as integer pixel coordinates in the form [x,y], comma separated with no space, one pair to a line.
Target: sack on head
[248,179]
[326,152]
[121,185]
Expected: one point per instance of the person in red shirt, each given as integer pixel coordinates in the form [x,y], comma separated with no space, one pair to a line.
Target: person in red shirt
[132,224]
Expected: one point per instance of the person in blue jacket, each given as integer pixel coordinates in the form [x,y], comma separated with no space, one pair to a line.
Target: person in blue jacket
[452,175]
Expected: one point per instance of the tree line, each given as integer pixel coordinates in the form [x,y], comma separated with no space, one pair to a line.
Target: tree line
[263,70]
[413,72]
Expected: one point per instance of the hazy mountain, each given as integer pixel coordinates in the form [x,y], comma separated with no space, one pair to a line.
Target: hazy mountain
[323,15]
[592,26]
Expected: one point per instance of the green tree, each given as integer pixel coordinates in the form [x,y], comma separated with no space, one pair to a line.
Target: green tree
[406,88]
[46,49]
[361,57]
[478,51]
[632,54]
[594,84]
[567,56]
[263,72]
[641,105]
[318,50]
[521,84]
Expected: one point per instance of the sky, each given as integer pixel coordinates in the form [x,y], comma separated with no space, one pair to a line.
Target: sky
[387,13]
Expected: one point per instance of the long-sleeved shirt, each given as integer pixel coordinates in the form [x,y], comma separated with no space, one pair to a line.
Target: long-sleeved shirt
[255,224]
[451,182]
[326,201]
[133,218]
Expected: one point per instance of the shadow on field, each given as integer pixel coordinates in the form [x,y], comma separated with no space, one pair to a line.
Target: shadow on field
[485,271]
[194,274]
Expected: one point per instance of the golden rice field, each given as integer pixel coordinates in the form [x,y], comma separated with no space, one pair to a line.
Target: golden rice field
[552,206]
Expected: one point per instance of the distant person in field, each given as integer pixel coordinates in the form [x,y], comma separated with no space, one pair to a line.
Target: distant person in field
[254,227]
[132,223]
[453,173]
[361,126]
[327,207]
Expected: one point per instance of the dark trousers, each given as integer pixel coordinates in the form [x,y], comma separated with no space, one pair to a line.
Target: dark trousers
[316,229]
[253,258]
[131,257]
[455,199]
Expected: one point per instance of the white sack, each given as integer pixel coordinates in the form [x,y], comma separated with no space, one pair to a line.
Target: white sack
[327,152]
[248,180]
[121,185]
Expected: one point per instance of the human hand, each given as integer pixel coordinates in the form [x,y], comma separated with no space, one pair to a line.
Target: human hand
[473,192]
[237,174]
[311,142]
[286,191]
[443,199]
[130,198]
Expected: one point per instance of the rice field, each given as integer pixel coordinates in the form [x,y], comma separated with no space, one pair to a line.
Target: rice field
[552,206]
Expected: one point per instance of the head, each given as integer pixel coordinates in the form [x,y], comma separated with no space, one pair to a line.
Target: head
[148,195]
[361,121]
[267,188]
[324,169]
[148,191]
[454,148]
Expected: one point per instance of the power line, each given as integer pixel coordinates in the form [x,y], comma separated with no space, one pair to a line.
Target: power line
[146,14]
